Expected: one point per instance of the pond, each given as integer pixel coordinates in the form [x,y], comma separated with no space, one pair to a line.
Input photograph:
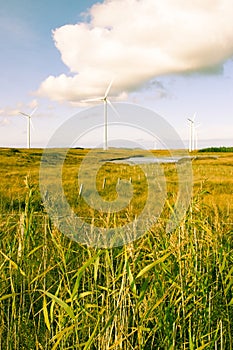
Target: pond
[150,160]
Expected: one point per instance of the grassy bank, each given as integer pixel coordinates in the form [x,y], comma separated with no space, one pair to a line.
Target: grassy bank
[163,291]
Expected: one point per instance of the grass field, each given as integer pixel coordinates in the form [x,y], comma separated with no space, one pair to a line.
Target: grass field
[163,291]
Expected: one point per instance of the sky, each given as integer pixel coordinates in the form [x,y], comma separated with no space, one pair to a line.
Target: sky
[173,57]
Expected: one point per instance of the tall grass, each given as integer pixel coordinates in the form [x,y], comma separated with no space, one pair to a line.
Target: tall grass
[160,292]
[163,291]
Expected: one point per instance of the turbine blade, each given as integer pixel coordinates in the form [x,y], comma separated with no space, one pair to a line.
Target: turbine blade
[25,115]
[190,120]
[113,108]
[108,89]
[34,110]
[97,99]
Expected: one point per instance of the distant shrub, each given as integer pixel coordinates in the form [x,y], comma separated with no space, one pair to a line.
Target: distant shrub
[216,149]
[15,150]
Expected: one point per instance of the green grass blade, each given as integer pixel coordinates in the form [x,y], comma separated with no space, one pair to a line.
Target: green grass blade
[63,304]
[150,266]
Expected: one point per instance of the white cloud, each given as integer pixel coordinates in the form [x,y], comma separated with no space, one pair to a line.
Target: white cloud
[136,40]
[10,112]
[33,104]
[14,111]
[4,122]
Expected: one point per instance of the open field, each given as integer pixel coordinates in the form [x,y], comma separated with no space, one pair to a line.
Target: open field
[163,291]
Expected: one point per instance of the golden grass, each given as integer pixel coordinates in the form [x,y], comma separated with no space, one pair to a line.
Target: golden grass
[162,291]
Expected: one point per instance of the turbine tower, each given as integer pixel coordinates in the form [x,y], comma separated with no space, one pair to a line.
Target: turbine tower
[29,124]
[106,101]
[195,136]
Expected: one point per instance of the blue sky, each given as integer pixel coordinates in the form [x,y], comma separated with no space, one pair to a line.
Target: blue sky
[185,74]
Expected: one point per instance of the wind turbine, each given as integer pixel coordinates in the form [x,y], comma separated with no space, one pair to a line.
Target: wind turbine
[29,123]
[190,134]
[193,134]
[106,101]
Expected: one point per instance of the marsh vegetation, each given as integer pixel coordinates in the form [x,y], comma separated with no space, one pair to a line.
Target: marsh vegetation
[162,291]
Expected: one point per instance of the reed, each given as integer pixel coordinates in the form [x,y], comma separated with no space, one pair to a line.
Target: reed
[162,291]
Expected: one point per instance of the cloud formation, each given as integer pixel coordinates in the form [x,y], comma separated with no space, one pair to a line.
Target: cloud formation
[14,111]
[4,122]
[134,41]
